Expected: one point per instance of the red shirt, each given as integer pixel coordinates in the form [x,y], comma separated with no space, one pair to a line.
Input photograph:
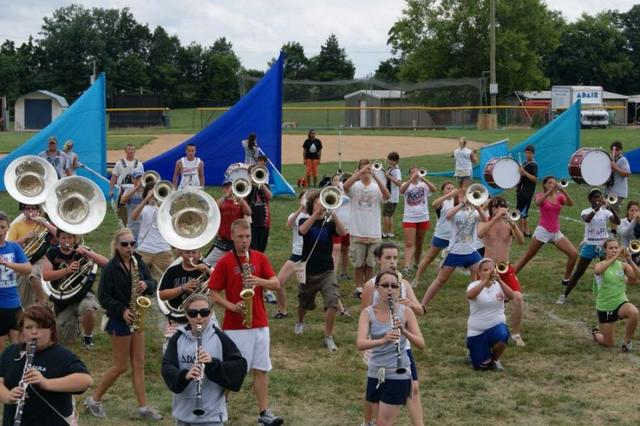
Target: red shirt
[229,212]
[228,277]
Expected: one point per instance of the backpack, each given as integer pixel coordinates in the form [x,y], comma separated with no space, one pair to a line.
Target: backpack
[128,178]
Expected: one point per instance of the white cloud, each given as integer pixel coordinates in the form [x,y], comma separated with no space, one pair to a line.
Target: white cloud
[258,28]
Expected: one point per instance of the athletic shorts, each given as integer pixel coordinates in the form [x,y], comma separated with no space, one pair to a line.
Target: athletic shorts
[591,251]
[422,226]
[253,344]
[388,209]
[462,260]
[511,279]
[325,283]
[523,203]
[545,236]
[605,317]
[343,240]
[480,346]
[412,365]
[362,254]
[311,166]
[392,392]
[68,318]
[9,319]
[439,242]
[117,327]
[295,257]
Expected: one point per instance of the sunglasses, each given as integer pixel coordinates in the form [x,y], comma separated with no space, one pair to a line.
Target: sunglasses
[193,313]
[385,285]
[127,243]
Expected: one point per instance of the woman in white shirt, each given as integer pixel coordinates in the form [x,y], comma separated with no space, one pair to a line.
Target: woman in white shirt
[465,159]
[415,221]
[629,228]
[251,150]
[487,331]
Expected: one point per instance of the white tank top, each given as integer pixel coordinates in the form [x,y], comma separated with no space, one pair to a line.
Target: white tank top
[189,175]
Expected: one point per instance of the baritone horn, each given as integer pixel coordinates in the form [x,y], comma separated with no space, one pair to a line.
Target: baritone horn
[259,175]
[162,190]
[477,194]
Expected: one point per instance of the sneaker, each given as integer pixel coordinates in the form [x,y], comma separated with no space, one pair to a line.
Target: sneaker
[518,340]
[565,282]
[94,407]
[280,315]
[267,418]
[269,297]
[358,293]
[627,346]
[87,342]
[149,412]
[496,365]
[299,328]
[391,235]
[330,344]
[384,236]
[561,300]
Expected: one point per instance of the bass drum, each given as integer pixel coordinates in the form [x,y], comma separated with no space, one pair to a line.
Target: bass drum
[502,172]
[591,166]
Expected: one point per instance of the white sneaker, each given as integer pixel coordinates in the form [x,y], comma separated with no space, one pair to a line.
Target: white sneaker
[561,300]
[269,297]
[627,347]
[330,344]
[299,328]
[518,340]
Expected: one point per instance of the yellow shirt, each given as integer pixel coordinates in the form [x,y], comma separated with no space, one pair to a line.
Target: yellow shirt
[20,229]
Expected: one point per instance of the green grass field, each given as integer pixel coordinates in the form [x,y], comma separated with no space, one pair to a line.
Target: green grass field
[560,377]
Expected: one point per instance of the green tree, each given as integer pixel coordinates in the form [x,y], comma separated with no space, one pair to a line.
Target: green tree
[332,62]
[296,63]
[163,68]
[388,70]
[219,84]
[450,39]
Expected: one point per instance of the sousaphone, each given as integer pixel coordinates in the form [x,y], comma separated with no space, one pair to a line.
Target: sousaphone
[29,178]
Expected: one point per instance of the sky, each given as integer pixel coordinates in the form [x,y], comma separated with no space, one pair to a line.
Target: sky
[258,28]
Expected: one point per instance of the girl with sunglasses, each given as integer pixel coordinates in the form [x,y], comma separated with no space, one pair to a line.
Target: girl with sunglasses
[388,387]
[219,364]
[114,294]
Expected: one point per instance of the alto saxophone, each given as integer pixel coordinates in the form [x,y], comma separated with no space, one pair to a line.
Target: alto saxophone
[247,293]
[138,303]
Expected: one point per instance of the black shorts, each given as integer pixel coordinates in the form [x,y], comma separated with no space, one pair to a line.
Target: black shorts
[9,320]
[523,203]
[295,257]
[118,327]
[605,317]
[392,392]
[259,238]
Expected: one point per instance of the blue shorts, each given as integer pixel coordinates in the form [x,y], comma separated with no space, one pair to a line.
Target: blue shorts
[462,260]
[412,364]
[439,242]
[590,251]
[117,327]
[392,392]
[480,345]
[481,251]
[295,257]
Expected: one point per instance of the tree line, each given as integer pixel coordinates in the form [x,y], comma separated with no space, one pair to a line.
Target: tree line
[432,39]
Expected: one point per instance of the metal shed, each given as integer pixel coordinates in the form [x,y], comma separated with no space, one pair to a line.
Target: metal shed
[36,110]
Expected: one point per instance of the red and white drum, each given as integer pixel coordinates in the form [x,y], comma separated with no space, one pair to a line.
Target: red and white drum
[237,170]
[591,166]
[502,172]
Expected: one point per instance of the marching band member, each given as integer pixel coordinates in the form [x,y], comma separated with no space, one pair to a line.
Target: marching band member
[55,374]
[498,234]
[611,277]
[115,295]
[258,200]
[189,170]
[218,365]
[526,188]
[550,202]
[387,258]
[366,192]
[22,232]
[12,261]
[251,149]
[415,222]
[59,263]
[464,218]
[629,228]
[442,233]
[287,270]
[317,233]
[394,181]
[122,177]
[233,273]
[132,198]
[58,159]
[154,250]
[487,332]
[464,158]
[231,209]
[342,243]
[595,220]
[386,333]
[618,184]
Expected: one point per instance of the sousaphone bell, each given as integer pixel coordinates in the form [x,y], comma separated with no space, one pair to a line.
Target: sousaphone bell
[76,204]
[29,178]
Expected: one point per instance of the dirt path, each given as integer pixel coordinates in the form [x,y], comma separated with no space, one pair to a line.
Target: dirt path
[352,147]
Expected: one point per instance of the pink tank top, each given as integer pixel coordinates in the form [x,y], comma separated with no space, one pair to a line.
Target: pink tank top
[550,212]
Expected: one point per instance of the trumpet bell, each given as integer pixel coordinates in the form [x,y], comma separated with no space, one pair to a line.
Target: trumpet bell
[514,215]
[162,190]
[76,204]
[502,267]
[28,179]
[612,199]
[331,197]
[422,172]
[563,183]
[477,194]
[259,174]
[151,176]
[377,165]
[241,187]
[189,218]
[634,246]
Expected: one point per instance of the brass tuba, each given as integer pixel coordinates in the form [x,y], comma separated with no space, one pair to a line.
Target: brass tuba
[150,176]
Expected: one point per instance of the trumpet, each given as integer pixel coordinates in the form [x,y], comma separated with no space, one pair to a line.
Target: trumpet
[612,199]
[514,215]
[241,187]
[422,172]
[502,267]
[563,183]
[634,246]
[477,194]
[377,165]
[259,175]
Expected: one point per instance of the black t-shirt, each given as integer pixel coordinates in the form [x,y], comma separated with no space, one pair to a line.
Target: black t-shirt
[57,258]
[174,277]
[320,260]
[525,186]
[312,149]
[53,362]
[260,210]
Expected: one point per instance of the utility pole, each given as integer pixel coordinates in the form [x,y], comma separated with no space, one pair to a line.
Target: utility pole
[493,87]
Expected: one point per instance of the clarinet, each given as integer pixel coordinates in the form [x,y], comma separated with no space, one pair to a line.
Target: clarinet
[198,410]
[399,368]
[30,351]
